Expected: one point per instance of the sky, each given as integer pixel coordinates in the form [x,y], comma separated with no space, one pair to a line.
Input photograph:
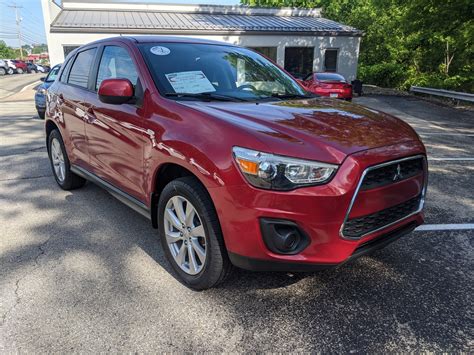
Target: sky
[32,24]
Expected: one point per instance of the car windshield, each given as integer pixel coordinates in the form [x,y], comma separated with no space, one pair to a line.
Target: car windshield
[208,71]
[53,74]
[330,77]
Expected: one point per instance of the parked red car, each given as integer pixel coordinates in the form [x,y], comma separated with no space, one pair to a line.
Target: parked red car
[328,84]
[21,66]
[229,158]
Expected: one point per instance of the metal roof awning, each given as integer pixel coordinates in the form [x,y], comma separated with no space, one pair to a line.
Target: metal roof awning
[168,22]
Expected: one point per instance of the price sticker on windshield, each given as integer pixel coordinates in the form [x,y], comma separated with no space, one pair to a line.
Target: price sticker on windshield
[190,82]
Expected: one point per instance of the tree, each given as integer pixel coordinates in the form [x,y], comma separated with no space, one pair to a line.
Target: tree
[421,42]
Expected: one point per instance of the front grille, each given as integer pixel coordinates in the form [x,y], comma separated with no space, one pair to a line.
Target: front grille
[360,226]
[389,174]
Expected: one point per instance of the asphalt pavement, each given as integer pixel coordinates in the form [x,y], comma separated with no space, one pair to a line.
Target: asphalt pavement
[81,272]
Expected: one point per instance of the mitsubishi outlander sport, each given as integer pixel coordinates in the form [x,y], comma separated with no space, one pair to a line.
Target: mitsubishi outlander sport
[230,158]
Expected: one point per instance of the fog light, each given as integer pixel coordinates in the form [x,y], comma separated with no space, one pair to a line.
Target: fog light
[283,237]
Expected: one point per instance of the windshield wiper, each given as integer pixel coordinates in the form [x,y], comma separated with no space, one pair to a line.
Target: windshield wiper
[205,96]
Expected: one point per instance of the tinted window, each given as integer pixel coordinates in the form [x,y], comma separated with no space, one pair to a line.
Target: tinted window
[68,49]
[116,63]
[299,61]
[330,77]
[79,74]
[330,60]
[53,74]
[269,52]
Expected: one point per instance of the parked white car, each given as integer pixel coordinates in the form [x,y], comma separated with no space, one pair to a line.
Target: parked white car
[3,67]
[11,66]
[40,68]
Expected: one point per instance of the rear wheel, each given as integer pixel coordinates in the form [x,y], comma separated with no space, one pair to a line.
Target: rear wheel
[60,165]
[10,71]
[19,70]
[191,235]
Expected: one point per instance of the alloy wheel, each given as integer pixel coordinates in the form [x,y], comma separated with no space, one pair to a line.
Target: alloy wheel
[185,235]
[58,160]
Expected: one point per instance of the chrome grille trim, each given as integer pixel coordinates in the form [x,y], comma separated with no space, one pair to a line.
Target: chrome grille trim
[422,199]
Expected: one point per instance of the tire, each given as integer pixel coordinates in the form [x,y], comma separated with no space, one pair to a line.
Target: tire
[66,179]
[10,71]
[19,70]
[216,265]
[41,114]
[2,71]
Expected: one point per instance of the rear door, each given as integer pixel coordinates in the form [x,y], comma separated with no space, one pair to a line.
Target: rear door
[74,84]
[115,133]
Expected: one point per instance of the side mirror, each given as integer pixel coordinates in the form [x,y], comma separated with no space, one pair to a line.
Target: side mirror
[43,78]
[115,91]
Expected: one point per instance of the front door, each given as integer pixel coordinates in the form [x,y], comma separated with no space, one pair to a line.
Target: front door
[114,132]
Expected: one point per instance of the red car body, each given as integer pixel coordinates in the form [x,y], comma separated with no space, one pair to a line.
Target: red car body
[134,149]
[328,84]
[20,65]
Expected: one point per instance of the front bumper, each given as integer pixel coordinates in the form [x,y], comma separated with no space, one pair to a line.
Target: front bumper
[319,211]
[288,266]
[40,101]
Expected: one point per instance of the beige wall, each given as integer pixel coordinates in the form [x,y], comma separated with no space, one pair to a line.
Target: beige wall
[347,60]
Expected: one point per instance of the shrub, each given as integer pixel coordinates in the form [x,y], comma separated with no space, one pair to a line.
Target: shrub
[388,75]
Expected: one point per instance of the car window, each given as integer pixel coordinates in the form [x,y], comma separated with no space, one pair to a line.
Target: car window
[116,63]
[53,74]
[79,74]
[330,77]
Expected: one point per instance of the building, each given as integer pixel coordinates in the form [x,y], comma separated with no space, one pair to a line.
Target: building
[299,40]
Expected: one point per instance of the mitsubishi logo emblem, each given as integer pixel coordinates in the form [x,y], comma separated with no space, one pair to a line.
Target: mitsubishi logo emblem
[398,175]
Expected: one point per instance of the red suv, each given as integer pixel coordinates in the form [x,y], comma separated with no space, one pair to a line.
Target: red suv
[231,160]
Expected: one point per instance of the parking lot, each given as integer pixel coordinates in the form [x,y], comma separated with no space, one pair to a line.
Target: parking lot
[82,272]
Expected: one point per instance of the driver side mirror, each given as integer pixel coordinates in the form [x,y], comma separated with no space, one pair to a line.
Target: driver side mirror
[43,79]
[115,91]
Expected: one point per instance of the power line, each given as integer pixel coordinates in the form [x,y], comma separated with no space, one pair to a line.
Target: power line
[18,25]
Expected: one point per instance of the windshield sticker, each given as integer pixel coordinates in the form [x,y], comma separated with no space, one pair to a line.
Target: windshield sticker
[190,82]
[159,50]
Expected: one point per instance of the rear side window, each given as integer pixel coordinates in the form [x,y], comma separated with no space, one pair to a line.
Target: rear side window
[79,74]
[116,63]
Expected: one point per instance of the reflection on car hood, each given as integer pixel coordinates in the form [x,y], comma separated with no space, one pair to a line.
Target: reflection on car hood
[312,127]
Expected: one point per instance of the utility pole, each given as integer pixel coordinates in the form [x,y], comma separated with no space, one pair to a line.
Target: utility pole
[18,25]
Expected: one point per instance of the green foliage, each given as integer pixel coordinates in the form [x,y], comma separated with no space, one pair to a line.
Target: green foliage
[5,51]
[417,42]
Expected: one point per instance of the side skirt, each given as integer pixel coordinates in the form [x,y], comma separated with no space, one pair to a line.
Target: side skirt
[123,197]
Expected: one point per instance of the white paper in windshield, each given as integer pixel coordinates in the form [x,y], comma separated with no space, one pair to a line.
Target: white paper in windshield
[191,82]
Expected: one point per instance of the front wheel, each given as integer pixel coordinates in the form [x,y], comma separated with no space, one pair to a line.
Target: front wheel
[10,71]
[190,234]
[2,71]
[60,164]
[19,70]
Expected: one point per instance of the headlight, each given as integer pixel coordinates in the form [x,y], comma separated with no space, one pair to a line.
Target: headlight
[42,91]
[277,172]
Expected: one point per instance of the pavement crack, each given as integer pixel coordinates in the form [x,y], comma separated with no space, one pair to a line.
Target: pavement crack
[27,177]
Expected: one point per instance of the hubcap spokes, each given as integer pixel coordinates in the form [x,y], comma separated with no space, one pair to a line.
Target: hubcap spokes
[58,160]
[185,235]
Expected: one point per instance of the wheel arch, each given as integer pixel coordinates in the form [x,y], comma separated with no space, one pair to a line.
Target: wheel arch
[164,174]
[50,126]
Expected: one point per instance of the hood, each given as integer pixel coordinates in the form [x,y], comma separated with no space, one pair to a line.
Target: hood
[312,128]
